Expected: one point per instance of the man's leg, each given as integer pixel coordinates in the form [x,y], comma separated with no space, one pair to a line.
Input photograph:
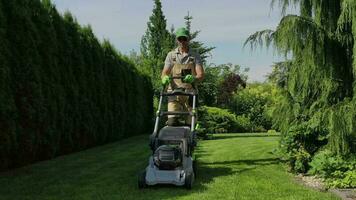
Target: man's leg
[189,108]
[173,105]
[188,104]
[185,106]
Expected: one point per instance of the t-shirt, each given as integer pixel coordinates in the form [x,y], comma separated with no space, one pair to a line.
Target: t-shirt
[176,56]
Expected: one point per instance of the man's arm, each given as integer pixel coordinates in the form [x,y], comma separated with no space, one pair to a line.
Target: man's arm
[166,71]
[200,72]
[168,63]
[199,68]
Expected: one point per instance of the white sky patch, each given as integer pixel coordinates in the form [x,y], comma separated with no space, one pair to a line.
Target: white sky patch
[224,24]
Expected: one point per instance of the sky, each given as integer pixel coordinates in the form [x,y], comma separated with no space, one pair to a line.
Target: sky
[224,24]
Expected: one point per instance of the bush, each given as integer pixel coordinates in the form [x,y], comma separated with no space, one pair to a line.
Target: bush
[300,142]
[301,158]
[243,124]
[254,103]
[337,171]
[217,120]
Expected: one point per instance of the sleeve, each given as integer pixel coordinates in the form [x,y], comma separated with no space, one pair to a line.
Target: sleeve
[168,63]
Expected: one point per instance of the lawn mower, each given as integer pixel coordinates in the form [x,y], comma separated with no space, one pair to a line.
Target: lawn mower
[172,147]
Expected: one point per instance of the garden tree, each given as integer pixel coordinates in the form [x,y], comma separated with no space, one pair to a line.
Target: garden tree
[279,74]
[171,40]
[342,127]
[347,32]
[231,79]
[156,37]
[61,90]
[227,88]
[208,89]
[320,78]
[219,81]
[50,78]
[7,102]
[229,68]
[25,65]
[156,43]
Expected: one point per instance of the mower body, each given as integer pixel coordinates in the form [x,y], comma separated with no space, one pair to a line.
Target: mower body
[172,148]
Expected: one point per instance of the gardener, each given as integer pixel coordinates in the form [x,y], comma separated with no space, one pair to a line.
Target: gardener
[182,61]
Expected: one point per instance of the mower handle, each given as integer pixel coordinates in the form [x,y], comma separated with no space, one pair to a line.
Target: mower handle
[177,77]
[164,88]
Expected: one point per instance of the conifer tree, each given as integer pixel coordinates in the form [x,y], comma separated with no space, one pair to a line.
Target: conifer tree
[7,103]
[320,78]
[61,90]
[155,44]
[156,33]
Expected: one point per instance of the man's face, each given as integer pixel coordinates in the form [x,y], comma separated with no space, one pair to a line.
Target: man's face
[182,41]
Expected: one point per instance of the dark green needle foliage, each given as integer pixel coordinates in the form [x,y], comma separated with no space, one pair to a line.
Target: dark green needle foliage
[318,109]
[61,90]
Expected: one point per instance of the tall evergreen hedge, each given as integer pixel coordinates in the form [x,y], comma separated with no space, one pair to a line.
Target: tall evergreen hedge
[61,90]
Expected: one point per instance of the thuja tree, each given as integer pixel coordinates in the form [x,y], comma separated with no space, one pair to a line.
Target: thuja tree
[155,44]
[61,90]
[319,81]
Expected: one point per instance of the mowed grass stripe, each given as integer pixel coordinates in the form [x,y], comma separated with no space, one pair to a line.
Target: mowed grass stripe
[231,166]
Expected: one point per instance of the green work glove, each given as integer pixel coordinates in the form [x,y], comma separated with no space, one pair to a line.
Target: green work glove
[189,79]
[166,80]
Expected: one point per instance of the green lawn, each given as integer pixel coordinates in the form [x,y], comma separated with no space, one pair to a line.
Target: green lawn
[232,166]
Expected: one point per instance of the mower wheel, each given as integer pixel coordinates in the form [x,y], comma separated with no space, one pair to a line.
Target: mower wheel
[195,167]
[189,179]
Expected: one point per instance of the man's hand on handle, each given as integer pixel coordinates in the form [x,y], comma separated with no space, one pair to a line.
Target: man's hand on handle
[166,80]
[189,79]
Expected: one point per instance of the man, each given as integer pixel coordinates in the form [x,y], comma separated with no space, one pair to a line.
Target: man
[182,61]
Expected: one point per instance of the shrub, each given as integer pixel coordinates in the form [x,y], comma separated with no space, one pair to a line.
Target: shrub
[337,171]
[217,120]
[254,103]
[243,124]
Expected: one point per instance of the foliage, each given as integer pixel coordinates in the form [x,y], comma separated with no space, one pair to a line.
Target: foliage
[232,80]
[221,88]
[317,107]
[279,74]
[216,84]
[338,171]
[155,44]
[208,88]
[256,103]
[228,87]
[61,90]
[217,120]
